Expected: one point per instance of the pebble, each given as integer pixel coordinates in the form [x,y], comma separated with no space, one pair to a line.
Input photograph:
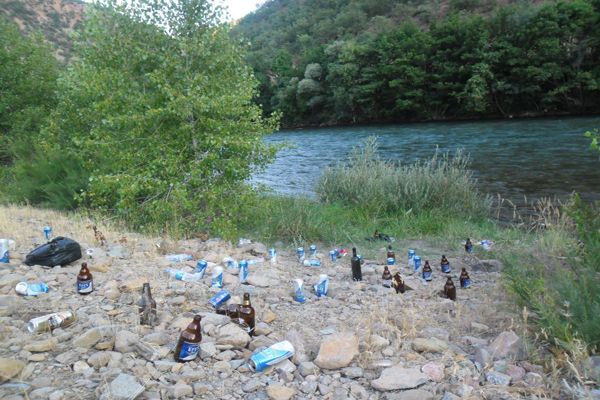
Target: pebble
[280,392]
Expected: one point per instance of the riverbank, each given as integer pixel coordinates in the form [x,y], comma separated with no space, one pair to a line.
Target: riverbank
[362,341]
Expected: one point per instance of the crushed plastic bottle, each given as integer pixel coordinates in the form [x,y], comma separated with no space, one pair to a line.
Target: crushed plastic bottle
[217,277]
[230,263]
[313,262]
[183,276]
[260,360]
[31,289]
[178,257]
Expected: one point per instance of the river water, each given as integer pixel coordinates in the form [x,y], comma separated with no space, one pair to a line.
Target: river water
[534,157]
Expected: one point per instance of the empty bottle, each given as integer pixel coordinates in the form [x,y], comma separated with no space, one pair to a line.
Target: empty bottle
[85,281]
[147,307]
[298,292]
[450,289]
[386,277]
[247,315]
[445,265]
[183,276]
[31,289]
[322,287]
[398,283]
[50,322]
[465,280]
[468,246]
[188,345]
[217,277]
[355,264]
[427,272]
[391,256]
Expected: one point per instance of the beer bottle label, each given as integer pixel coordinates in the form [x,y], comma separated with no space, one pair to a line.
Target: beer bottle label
[189,351]
[387,282]
[85,286]
[427,275]
[465,283]
[446,268]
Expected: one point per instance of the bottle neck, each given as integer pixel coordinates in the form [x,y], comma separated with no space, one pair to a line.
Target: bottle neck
[354,251]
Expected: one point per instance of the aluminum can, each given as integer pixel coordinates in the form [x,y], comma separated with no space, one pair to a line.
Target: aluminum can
[322,287]
[411,255]
[220,298]
[333,255]
[273,255]
[4,256]
[50,322]
[217,277]
[243,271]
[313,250]
[391,261]
[271,356]
[300,253]
[47,232]
[201,267]
[298,293]
[417,262]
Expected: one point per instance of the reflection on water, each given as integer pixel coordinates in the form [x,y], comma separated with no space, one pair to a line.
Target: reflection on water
[536,158]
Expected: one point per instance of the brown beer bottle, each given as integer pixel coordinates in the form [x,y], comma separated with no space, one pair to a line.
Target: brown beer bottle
[147,307]
[390,253]
[231,310]
[450,289]
[465,280]
[387,277]
[398,283]
[247,316]
[188,346]
[468,246]
[427,273]
[85,282]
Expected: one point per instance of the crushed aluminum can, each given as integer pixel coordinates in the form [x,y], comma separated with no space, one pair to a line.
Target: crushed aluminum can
[270,356]
[219,299]
[333,255]
[411,255]
[201,267]
[298,293]
[313,250]
[391,261]
[217,277]
[322,287]
[300,253]
[417,262]
[243,271]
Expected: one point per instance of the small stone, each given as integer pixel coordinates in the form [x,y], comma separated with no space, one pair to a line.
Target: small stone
[497,378]
[202,388]
[10,368]
[88,339]
[252,386]
[158,338]
[450,396]
[279,392]
[399,378]
[297,340]
[534,379]
[515,372]
[207,350]
[379,342]
[178,300]
[479,327]
[307,368]
[181,390]
[81,367]
[434,370]
[308,387]
[123,387]
[337,351]
[431,345]
[286,366]
[269,316]
[262,329]
[507,345]
[99,359]
[417,394]
[353,372]
[41,346]
[57,395]
[482,356]
[125,341]
[221,366]
[259,281]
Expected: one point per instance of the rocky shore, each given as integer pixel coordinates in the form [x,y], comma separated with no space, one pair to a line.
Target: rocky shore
[362,341]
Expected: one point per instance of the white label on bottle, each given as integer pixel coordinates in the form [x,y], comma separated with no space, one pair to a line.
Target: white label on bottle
[85,286]
[189,351]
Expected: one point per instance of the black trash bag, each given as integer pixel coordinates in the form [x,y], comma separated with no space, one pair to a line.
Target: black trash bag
[58,251]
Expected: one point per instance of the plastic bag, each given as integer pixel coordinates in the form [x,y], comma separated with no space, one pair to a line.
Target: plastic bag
[58,251]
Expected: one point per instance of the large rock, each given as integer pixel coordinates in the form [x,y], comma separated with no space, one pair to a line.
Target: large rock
[337,351]
[431,345]
[279,392]
[9,368]
[42,346]
[233,335]
[508,345]
[125,341]
[497,378]
[123,387]
[400,378]
[297,340]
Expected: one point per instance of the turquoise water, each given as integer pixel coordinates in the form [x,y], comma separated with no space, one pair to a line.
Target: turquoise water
[513,158]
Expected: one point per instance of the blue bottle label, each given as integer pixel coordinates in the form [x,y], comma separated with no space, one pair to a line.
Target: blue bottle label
[391,261]
[466,283]
[427,275]
[189,351]
[5,258]
[85,286]
[387,283]
[446,268]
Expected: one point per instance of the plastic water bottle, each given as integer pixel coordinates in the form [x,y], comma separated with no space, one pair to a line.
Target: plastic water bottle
[31,289]
[178,257]
[183,276]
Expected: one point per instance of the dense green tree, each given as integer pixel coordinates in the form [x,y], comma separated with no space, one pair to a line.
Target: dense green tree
[157,107]
[28,72]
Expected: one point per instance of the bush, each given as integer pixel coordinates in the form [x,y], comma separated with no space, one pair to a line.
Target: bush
[442,183]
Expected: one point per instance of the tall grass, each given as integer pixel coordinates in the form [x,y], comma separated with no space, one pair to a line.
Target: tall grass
[442,183]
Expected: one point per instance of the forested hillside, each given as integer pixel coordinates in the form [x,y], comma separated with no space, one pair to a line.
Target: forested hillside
[359,61]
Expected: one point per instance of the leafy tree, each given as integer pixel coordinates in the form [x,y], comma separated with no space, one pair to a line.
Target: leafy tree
[28,73]
[157,107]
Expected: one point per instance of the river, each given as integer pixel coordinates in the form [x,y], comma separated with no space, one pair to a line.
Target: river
[514,158]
